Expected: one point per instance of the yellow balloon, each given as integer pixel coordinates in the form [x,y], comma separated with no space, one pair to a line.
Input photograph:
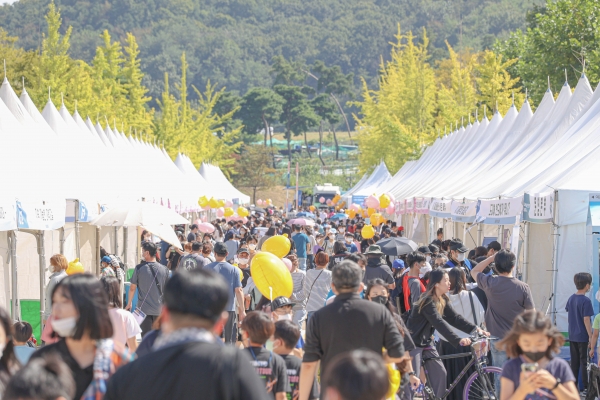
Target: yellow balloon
[228,212]
[370,211]
[270,275]
[75,267]
[384,201]
[312,208]
[278,245]
[367,232]
[376,219]
[351,214]
[203,201]
[395,378]
[242,211]
[213,203]
[221,203]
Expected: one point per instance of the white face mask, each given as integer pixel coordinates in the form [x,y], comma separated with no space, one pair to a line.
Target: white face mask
[2,347]
[461,257]
[252,246]
[284,317]
[341,230]
[243,260]
[64,327]
[348,240]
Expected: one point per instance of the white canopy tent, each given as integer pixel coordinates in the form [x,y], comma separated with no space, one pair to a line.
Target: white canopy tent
[218,181]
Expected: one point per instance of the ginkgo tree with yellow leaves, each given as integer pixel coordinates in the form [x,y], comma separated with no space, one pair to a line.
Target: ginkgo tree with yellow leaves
[415,101]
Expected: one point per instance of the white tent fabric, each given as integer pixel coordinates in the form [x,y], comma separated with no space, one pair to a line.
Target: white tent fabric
[378,178]
[217,180]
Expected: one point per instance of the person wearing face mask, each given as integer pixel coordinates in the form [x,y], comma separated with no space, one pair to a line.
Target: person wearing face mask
[58,267]
[349,239]
[298,295]
[433,312]
[329,242]
[378,292]
[340,233]
[378,268]
[457,257]
[243,258]
[80,316]
[412,287]
[534,340]
[257,329]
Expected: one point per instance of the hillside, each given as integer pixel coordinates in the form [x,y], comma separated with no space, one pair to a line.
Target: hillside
[231,42]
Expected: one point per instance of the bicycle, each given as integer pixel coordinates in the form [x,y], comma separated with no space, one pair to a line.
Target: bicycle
[481,384]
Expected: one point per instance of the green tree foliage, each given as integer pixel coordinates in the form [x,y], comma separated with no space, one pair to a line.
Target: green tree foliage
[496,86]
[297,115]
[328,113]
[231,42]
[260,108]
[561,35]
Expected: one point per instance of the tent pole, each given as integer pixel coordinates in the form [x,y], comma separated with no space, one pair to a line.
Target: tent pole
[556,235]
[7,296]
[116,228]
[125,246]
[526,252]
[97,263]
[16,306]
[77,247]
[62,240]
[479,233]
[42,261]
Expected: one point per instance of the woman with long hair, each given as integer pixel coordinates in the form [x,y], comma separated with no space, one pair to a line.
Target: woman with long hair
[80,317]
[468,306]
[125,327]
[58,267]
[433,312]
[378,292]
[318,284]
[340,252]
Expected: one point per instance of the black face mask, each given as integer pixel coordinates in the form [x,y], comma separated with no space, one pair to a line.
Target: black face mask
[380,299]
[535,356]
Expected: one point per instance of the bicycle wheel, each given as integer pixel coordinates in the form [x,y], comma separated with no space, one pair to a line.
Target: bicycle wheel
[483,387]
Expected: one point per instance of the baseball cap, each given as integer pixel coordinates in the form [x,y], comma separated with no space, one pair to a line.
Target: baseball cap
[280,302]
[106,259]
[458,245]
[398,264]
[220,248]
[424,250]
[243,250]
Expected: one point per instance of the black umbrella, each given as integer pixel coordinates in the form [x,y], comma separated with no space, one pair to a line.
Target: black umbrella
[260,210]
[397,246]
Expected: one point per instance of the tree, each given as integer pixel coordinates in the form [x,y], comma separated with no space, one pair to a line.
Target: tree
[327,112]
[457,94]
[332,81]
[227,103]
[138,116]
[253,171]
[260,107]
[562,35]
[297,116]
[496,86]
[285,72]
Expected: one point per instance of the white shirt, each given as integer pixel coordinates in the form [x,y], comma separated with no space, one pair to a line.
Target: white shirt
[124,325]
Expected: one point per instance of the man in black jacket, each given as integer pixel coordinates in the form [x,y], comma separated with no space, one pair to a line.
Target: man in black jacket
[188,359]
[349,323]
[377,268]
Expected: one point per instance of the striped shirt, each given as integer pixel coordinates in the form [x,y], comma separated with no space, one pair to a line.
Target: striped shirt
[298,296]
[317,295]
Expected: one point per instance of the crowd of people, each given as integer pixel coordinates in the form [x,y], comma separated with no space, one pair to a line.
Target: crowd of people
[193,323]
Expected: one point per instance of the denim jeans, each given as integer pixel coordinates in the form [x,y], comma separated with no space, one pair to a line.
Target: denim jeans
[302,263]
[499,357]
[298,317]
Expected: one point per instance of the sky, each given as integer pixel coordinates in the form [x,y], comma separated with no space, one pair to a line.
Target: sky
[7,1]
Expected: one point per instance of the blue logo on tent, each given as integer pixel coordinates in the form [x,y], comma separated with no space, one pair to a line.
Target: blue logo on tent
[21,216]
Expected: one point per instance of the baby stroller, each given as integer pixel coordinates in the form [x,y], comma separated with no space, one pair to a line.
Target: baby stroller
[593,372]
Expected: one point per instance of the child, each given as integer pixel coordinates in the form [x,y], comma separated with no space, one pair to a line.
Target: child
[257,329]
[532,340]
[580,310]
[23,351]
[285,339]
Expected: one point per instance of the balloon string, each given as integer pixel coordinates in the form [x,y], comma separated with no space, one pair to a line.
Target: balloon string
[270,293]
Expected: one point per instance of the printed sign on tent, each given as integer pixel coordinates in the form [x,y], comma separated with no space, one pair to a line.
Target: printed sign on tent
[410,205]
[538,208]
[87,210]
[440,208]
[41,215]
[401,207]
[464,211]
[8,214]
[422,205]
[594,210]
[500,212]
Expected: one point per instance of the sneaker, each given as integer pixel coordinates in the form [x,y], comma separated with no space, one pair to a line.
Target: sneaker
[583,393]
